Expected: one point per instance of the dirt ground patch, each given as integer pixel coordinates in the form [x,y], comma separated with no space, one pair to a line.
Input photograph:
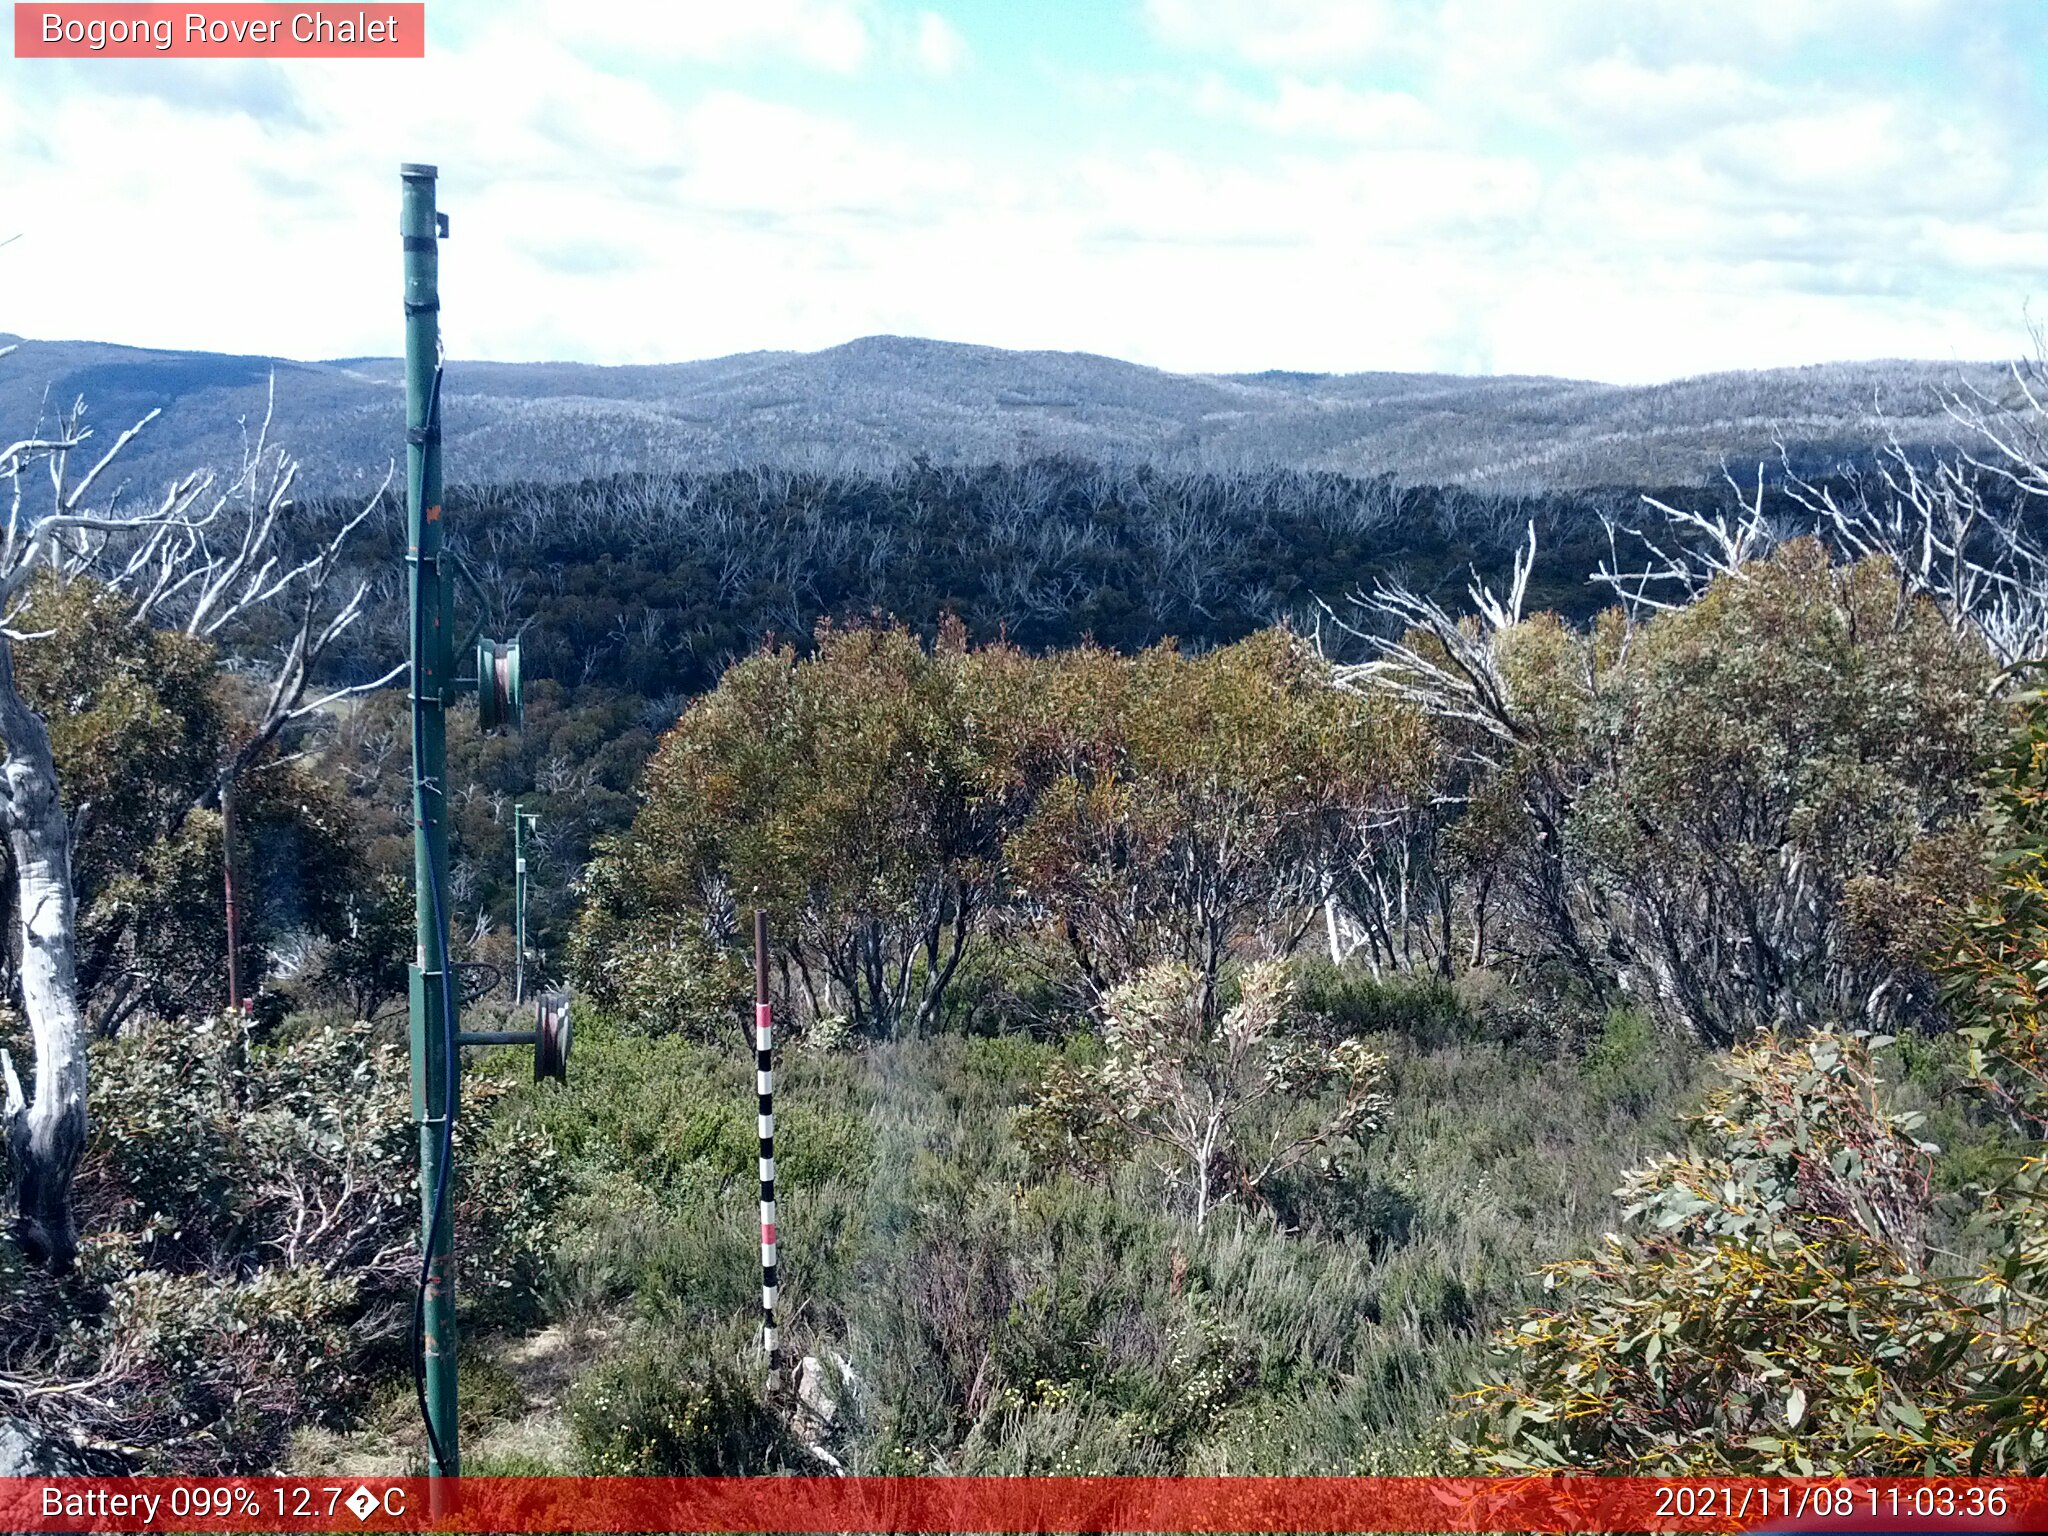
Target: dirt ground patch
[512,1395]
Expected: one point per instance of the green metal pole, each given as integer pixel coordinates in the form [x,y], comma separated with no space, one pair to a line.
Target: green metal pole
[435,1061]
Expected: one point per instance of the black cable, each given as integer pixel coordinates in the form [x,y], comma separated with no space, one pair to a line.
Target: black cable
[449,1048]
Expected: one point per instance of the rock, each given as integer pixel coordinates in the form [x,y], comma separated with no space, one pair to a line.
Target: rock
[26,1451]
[810,1390]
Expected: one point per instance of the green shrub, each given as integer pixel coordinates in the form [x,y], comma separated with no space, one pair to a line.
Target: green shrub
[1335,1431]
[366,964]
[1009,1061]
[255,1210]
[674,1112]
[1226,1100]
[675,1405]
[1428,1295]
[669,1255]
[651,978]
[486,1392]
[1013,984]
[1001,1318]
[1361,1209]
[1930,1075]
[1628,1066]
[1060,1438]
[1770,1308]
[1421,1008]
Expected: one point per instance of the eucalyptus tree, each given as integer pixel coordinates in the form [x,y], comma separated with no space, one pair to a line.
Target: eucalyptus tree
[205,558]
[863,794]
[1740,779]
[1185,808]
[1229,1101]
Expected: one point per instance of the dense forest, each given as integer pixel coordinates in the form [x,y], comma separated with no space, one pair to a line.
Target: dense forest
[1236,935]
[634,594]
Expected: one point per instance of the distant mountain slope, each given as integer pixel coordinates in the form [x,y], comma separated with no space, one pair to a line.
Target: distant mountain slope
[884,399]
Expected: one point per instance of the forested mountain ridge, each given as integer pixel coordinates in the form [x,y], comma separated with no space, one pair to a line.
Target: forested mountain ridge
[880,401]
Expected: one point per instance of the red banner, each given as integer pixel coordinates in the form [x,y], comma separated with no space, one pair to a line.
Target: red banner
[1018,1504]
[374,31]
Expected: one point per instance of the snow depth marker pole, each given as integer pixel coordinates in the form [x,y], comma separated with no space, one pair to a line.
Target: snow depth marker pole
[764,1087]
[230,886]
[520,821]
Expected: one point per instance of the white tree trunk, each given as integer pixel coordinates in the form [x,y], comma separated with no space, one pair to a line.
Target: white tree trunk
[46,1132]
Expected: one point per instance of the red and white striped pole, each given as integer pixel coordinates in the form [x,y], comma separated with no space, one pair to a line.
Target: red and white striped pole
[764,1086]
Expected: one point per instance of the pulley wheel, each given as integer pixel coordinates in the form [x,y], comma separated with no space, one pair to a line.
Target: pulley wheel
[551,1037]
[500,696]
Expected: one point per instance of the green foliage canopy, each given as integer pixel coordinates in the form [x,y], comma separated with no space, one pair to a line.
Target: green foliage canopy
[140,719]
[891,803]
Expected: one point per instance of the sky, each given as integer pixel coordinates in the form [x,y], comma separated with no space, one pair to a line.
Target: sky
[1625,190]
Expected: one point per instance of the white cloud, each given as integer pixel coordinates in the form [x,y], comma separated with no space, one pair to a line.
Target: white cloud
[1322,109]
[1535,187]
[939,48]
[1332,33]
[1869,154]
[1282,32]
[753,156]
[827,34]
[1618,94]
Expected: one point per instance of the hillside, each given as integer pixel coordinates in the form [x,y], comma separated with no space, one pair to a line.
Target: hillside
[882,400]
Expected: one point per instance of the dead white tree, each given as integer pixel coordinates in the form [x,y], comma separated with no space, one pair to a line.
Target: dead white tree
[1450,667]
[1953,525]
[200,559]
[1420,652]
